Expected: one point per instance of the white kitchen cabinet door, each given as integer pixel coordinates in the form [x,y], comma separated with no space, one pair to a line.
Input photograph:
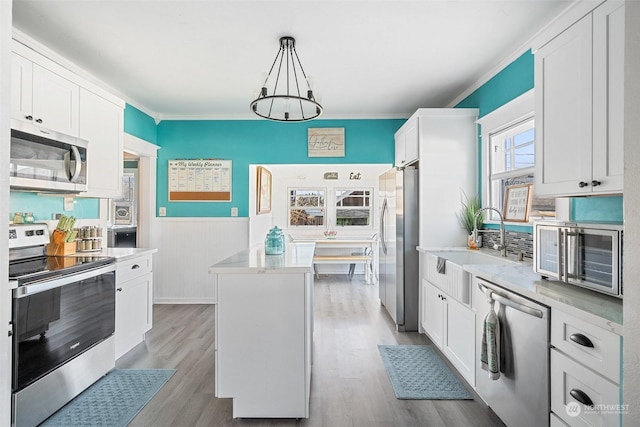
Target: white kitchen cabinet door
[55,101]
[43,98]
[133,313]
[21,89]
[608,97]
[459,338]
[563,81]
[101,123]
[579,80]
[406,143]
[572,383]
[433,313]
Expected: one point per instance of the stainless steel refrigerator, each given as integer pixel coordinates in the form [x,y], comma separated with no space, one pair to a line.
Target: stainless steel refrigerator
[398,276]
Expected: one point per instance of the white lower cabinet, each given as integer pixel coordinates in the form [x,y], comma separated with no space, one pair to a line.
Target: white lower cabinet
[585,373]
[451,326]
[134,302]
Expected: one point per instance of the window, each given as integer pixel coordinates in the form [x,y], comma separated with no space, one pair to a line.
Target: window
[353,207]
[508,136]
[306,207]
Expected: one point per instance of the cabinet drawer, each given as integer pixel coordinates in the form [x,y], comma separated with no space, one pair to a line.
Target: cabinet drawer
[600,349]
[555,421]
[132,268]
[568,376]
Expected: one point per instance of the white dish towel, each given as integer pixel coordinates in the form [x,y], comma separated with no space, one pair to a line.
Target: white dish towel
[490,354]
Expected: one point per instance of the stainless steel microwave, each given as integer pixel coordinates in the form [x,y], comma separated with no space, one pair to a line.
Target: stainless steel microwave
[582,254]
[45,160]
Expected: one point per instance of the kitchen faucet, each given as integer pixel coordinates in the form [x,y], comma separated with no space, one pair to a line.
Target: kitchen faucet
[502,247]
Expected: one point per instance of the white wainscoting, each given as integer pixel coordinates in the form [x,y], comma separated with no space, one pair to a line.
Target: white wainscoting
[187,247]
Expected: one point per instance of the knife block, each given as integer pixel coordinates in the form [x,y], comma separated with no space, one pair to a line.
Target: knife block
[61,249]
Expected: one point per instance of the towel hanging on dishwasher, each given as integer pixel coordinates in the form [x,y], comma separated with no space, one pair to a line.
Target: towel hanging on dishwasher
[490,354]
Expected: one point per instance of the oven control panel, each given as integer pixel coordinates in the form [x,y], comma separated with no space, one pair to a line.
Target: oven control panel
[23,235]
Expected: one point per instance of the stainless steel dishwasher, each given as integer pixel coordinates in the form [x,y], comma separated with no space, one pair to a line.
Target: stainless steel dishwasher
[520,396]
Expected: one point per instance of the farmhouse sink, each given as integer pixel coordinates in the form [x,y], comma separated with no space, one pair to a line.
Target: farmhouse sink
[455,281]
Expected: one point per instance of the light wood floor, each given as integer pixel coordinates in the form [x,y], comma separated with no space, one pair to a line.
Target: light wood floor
[349,385]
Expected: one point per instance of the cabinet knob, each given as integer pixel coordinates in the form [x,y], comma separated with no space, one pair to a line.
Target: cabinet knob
[38,120]
[582,184]
[28,117]
[595,183]
[581,397]
[581,340]
[119,289]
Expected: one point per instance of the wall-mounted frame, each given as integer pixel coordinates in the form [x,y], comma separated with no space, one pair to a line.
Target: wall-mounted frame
[517,202]
[325,142]
[199,180]
[263,191]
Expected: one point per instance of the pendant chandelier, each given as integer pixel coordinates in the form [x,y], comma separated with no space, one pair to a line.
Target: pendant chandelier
[281,96]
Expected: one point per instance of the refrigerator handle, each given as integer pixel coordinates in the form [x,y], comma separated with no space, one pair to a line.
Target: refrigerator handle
[383,232]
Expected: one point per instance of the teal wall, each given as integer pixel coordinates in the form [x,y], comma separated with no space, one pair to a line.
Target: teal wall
[511,82]
[246,142]
[139,124]
[44,206]
[606,209]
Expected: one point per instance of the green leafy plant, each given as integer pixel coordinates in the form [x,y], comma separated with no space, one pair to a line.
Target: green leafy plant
[470,205]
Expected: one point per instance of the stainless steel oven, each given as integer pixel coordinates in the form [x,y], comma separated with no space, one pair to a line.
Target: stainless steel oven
[582,254]
[63,318]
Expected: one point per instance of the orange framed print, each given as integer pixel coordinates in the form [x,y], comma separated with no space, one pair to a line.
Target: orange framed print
[517,202]
[263,191]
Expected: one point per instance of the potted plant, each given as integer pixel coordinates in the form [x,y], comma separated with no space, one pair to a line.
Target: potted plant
[466,217]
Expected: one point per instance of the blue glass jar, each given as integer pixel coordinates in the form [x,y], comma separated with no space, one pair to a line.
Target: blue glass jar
[274,242]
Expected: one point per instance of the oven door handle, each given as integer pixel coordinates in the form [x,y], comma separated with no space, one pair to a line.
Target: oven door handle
[48,284]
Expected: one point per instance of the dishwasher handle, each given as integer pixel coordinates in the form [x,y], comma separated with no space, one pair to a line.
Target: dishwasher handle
[506,301]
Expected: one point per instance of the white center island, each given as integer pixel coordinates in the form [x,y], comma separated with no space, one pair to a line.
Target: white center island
[264,330]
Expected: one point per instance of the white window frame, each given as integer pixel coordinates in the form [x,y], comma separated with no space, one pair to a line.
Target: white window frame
[324,208]
[516,111]
[335,208]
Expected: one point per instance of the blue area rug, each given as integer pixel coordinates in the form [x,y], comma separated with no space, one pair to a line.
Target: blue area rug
[418,372]
[114,400]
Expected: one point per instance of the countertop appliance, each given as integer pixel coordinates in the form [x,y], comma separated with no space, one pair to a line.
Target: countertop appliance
[46,160]
[520,396]
[63,317]
[398,283]
[120,236]
[582,254]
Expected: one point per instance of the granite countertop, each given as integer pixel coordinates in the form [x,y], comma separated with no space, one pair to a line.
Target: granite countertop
[599,309]
[298,257]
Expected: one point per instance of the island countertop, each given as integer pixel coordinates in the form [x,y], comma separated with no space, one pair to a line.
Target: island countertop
[298,257]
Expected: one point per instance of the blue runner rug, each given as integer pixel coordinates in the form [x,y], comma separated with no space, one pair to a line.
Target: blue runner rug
[418,372]
[114,400]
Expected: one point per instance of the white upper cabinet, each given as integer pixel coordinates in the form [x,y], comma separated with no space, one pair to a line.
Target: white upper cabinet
[579,106]
[101,123]
[48,95]
[44,98]
[407,139]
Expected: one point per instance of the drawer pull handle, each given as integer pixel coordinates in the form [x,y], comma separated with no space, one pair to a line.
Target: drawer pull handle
[134,266]
[119,289]
[581,340]
[581,397]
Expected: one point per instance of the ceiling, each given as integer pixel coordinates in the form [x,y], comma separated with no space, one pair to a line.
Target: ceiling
[369,58]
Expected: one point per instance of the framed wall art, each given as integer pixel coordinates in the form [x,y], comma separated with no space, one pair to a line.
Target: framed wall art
[325,142]
[263,191]
[517,202]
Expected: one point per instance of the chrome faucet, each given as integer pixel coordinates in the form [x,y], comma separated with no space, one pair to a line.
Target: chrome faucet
[502,247]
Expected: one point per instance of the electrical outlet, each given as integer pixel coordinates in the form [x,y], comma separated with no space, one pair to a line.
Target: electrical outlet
[234,211]
[68,203]
[56,216]
[162,211]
